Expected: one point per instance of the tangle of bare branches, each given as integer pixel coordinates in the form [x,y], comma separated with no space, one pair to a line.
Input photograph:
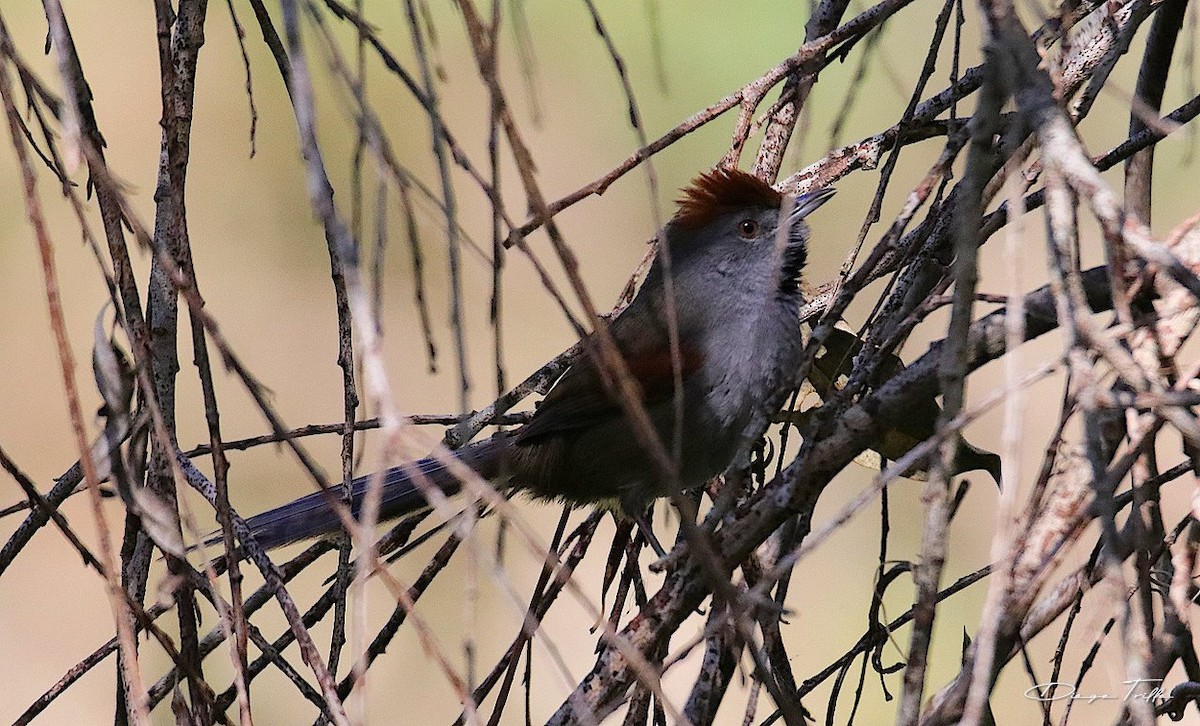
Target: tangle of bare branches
[1087,553]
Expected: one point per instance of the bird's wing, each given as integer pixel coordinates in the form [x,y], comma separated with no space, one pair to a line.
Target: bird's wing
[579,399]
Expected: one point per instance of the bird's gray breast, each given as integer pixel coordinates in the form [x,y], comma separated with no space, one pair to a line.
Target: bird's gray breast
[748,362]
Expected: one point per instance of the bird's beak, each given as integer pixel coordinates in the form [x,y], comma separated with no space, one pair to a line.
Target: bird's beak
[808,202]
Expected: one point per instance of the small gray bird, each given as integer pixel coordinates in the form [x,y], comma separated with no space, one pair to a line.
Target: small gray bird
[736,294]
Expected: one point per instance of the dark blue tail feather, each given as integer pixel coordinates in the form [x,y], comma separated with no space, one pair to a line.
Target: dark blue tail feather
[312,516]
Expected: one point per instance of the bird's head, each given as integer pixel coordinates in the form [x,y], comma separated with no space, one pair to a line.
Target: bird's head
[738,226]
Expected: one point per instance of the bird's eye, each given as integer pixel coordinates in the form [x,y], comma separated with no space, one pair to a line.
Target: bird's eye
[748,228]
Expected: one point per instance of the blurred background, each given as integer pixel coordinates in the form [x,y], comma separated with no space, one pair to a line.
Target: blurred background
[263,269]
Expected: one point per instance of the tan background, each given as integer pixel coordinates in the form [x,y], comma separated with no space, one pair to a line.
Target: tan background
[263,269]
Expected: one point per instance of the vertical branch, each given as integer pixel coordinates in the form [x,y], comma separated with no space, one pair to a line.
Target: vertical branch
[952,378]
[1151,82]
[129,671]
[450,203]
[824,19]
[721,651]
[345,359]
[489,69]
[1160,642]
[663,252]
[344,256]
[180,36]
[1003,538]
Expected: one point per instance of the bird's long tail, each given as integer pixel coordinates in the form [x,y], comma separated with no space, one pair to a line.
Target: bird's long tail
[312,516]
